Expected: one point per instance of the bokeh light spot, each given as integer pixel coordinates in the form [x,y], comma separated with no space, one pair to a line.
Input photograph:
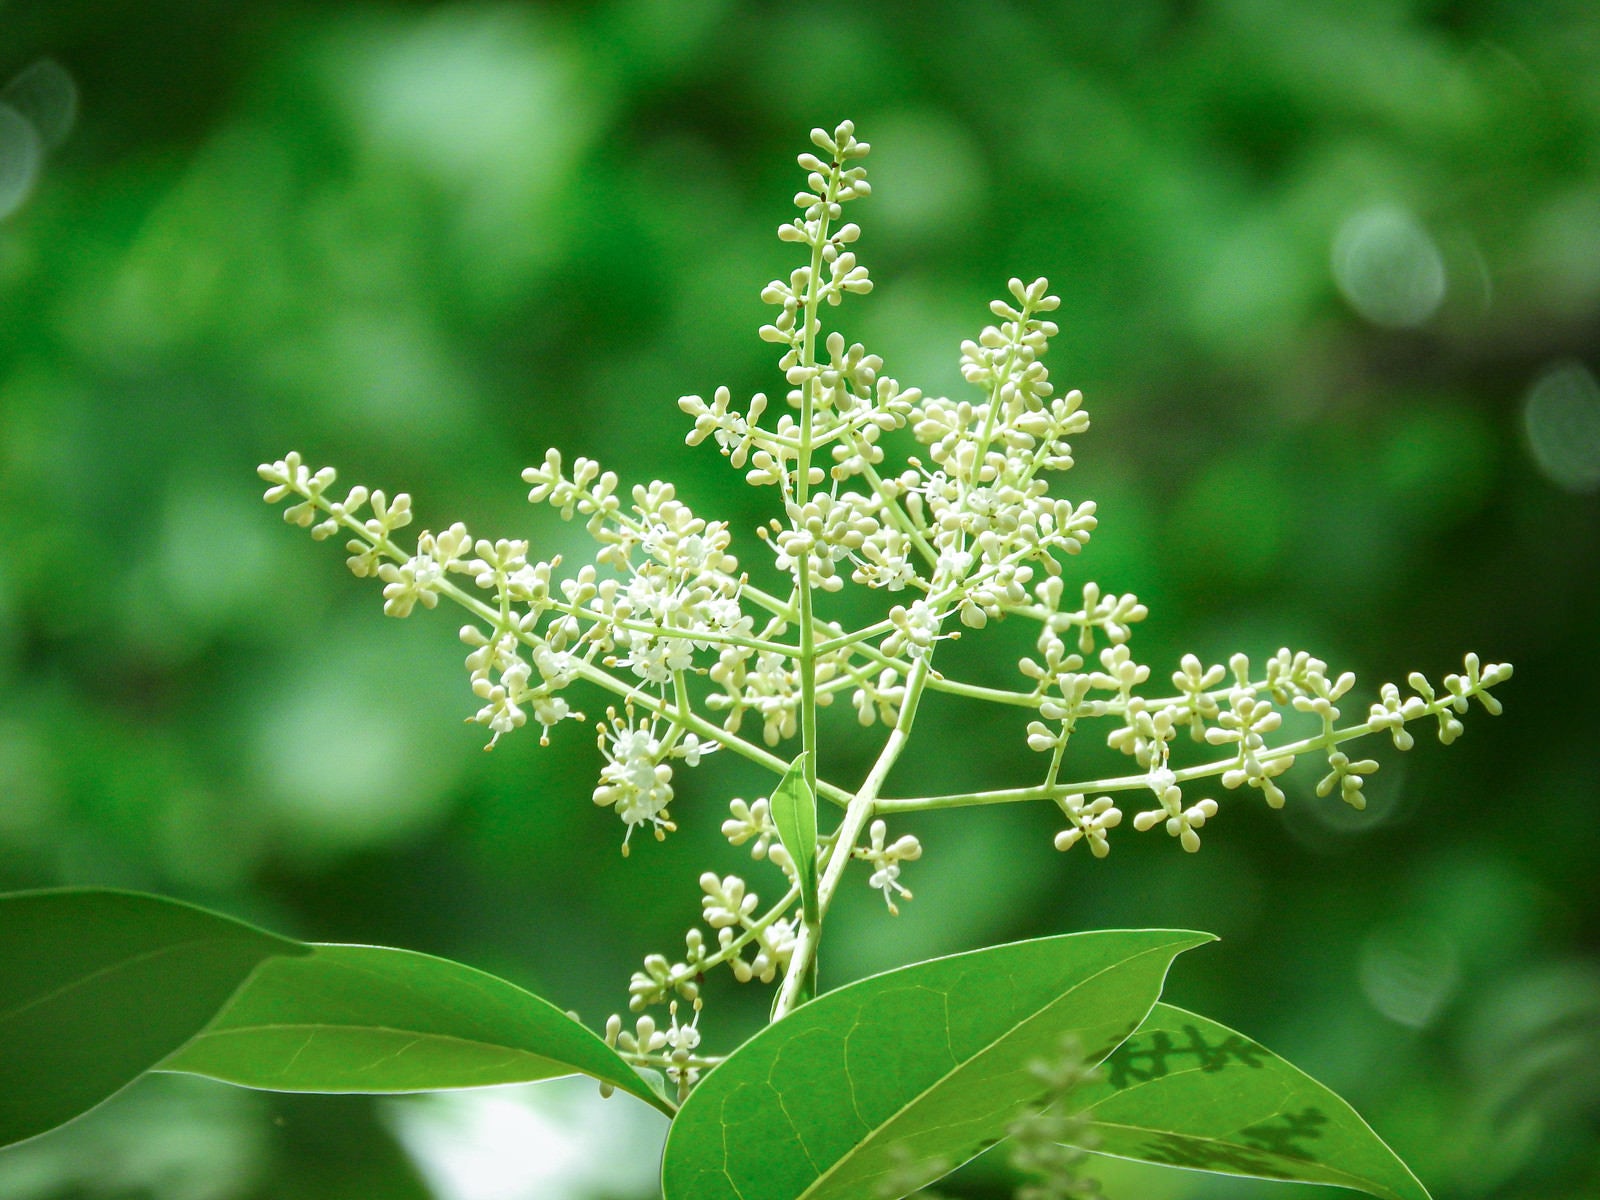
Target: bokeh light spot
[1388,267]
[203,526]
[929,176]
[20,150]
[1562,418]
[1327,825]
[1409,972]
[345,765]
[47,97]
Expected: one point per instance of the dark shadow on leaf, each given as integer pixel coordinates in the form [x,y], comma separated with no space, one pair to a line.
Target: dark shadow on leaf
[1201,1154]
[1141,1059]
[1282,1134]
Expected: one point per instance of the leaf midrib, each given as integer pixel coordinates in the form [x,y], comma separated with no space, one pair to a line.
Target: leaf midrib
[314,1027]
[623,1077]
[103,972]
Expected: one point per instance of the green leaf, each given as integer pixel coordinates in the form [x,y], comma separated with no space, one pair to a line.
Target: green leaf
[1187,1092]
[372,1019]
[794,812]
[922,1063]
[97,986]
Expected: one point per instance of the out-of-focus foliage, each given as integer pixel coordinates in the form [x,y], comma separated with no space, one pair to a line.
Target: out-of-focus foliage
[1331,281]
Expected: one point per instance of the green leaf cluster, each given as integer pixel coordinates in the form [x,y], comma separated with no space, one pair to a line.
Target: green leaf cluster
[929,1063]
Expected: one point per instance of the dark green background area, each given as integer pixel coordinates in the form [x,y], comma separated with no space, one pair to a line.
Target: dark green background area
[424,242]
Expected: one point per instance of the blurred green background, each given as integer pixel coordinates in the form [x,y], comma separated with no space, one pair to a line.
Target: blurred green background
[1331,285]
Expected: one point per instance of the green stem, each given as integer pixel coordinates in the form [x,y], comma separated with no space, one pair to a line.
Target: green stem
[662,1061]
[862,807]
[899,515]
[1129,783]
[811,923]
[751,932]
[936,681]
[707,636]
[878,629]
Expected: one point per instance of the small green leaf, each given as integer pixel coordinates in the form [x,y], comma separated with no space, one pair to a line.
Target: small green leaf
[928,1062]
[372,1019]
[1187,1092]
[97,986]
[794,812]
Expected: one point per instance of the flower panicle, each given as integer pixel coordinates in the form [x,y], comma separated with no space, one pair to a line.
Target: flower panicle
[951,508]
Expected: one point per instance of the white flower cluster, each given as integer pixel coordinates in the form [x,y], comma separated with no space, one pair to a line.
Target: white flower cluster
[886,860]
[636,779]
[1089,820]
[672,1048]
[944,505]
[753,823]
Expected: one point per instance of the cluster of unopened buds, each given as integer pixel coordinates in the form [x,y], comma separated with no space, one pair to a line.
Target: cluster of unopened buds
[690,656]
[672,1049]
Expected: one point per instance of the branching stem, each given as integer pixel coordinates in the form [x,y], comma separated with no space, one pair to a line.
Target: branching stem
[862,807]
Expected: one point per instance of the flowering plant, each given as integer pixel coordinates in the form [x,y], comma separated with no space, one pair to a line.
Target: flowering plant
[879,1087]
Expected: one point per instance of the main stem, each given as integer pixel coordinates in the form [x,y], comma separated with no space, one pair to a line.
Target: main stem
[805,983]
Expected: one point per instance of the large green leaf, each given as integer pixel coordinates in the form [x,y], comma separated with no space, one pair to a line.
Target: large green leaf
[372,1019]
[929,1062]
[97,986]
[1187,1092]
